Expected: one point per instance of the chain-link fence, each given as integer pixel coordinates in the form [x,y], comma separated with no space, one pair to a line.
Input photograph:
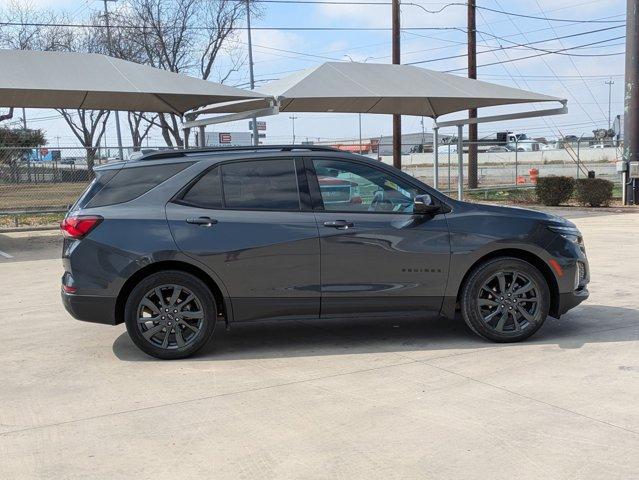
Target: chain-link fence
[512,165]
[37,185]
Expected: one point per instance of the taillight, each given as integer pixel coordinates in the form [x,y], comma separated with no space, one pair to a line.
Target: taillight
[80,226]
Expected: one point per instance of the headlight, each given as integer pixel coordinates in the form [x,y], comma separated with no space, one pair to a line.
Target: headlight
[569,233]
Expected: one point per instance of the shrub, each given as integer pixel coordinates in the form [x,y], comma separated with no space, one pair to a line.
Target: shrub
[593,191]
[523,196]
[554,190]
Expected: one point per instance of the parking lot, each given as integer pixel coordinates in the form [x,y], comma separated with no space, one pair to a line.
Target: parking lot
[348,399]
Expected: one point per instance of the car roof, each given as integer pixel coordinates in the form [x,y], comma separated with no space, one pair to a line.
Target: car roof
[219,154]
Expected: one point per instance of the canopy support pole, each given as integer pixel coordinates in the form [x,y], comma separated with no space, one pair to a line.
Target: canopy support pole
[202,141]
[460,161]
[436,158]
[231,117]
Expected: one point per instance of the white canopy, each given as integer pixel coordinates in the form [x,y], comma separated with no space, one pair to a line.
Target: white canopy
[96,82]
[352,87]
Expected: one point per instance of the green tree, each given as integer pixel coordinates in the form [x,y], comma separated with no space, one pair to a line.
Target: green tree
[15,144]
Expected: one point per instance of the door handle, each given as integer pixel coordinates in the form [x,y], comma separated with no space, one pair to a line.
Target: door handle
[203,221]
[339,224]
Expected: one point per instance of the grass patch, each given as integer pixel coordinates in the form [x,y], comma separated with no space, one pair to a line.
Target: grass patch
[31,220]
[39,195]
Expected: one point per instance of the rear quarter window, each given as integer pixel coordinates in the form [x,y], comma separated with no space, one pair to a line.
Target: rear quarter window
[130,183]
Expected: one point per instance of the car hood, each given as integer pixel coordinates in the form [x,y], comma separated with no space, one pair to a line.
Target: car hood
[518,212]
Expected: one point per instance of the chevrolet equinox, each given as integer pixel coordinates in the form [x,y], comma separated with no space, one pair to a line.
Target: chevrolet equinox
[174,242]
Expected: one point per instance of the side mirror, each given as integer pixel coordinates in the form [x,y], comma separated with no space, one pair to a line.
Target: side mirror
[424,205]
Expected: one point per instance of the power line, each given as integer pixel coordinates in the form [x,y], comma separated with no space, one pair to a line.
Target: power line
[439,10]
[526,45]
[574,64]
[568,91]
[146,27]
[550,52]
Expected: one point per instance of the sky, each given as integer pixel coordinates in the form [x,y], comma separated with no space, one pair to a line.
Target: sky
[277,53]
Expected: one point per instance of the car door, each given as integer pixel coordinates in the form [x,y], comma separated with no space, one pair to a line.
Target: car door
[244,220]
[377,257]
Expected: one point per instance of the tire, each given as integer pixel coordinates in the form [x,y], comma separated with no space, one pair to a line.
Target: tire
[173,327]
[502,310]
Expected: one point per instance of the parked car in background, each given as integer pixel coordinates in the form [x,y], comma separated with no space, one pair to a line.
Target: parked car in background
[176,242]
[500,148]
[597,145]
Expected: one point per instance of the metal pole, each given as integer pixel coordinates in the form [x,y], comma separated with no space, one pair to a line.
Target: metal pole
[610,83]
[293,118]
[578,152]
[472,113]
[24,118]
[187,134]
[118,131]
[516,161]
[256,136]
[449,167]
[397,119]
[202,136]
[631,106]
[435,157]
[460,162]
[360,132]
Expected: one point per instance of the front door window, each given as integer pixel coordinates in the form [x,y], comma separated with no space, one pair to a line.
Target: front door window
[355,187]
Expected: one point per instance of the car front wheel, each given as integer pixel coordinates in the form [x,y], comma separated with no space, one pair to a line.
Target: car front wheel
[505,300]
[170,314]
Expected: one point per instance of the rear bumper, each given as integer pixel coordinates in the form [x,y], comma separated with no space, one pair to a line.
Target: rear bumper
[90,308]
[570,300]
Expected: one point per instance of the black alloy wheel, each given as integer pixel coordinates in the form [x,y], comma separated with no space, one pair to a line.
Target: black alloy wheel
[170,314]
[505,300]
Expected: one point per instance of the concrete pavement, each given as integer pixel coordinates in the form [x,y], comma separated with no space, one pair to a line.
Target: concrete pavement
[322,400]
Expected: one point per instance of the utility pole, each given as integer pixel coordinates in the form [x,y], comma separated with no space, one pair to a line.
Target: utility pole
[631,107]
[472,113]
[110,49]
[397,119]
[256,137]
[610,83]
[293,118]
[24,118]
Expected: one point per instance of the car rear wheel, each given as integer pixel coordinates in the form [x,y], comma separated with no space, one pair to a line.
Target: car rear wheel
[505,300]
[170,314]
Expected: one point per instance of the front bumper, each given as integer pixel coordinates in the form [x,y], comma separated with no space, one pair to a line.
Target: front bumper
[570,300]
[90,308]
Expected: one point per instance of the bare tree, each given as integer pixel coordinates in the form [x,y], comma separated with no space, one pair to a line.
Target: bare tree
[183,36]
[88,126]
[125,46]
[140,126]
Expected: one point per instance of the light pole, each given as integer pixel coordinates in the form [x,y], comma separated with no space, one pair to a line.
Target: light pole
[293,118]
[256,138]
[109,47]
[610,83]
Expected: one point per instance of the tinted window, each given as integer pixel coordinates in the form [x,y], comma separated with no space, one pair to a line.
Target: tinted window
[130,183]
[261,185]
[356,187]
[206,192]
[102,177]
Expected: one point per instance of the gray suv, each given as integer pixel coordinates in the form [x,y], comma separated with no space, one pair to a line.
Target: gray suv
[175,242]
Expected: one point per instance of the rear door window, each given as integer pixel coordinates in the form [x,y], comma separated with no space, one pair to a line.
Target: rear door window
[261,185]
[206,192]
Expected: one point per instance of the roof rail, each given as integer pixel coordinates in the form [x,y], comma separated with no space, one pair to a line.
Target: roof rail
[282,148]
